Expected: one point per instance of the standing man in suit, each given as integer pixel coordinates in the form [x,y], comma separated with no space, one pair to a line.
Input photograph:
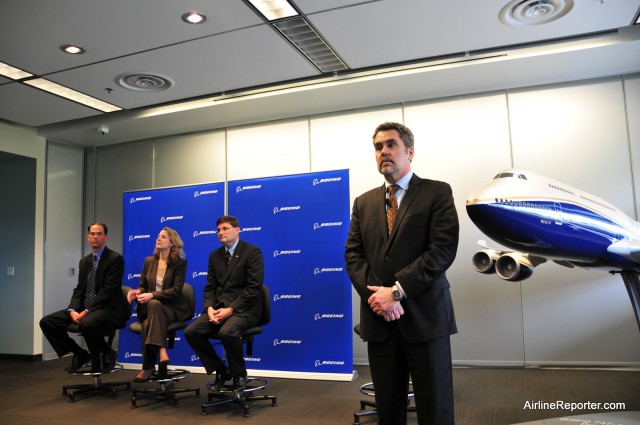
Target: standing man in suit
[232,304]
[96,306]
[402,238]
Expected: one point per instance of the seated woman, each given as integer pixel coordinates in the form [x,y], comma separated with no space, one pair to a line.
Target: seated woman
[160,300]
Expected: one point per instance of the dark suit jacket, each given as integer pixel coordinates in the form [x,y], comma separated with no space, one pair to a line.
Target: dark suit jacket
[108,287]
[238,284]
[172,284]
[421,247]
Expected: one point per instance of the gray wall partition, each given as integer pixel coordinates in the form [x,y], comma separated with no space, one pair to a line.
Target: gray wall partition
[17,227]
[586,134]
[64,230]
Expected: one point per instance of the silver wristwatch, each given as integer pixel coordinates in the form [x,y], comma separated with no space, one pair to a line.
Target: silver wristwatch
[396,294]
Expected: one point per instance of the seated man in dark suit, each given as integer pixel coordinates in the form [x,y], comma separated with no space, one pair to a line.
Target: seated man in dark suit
[96,306]
[232,304]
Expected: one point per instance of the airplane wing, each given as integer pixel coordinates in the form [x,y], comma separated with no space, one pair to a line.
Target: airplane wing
[628,248]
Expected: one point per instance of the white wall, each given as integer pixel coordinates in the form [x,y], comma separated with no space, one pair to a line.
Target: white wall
[576,133]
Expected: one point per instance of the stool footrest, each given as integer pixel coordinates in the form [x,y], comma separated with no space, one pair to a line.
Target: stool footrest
[228,395]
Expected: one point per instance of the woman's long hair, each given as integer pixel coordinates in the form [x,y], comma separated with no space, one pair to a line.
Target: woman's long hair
[177,246]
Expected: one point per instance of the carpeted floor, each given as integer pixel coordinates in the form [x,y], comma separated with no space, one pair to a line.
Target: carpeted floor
[31,393]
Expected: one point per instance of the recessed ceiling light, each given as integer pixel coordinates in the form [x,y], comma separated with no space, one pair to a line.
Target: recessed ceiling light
[72,49]
[274,9]
[194,18]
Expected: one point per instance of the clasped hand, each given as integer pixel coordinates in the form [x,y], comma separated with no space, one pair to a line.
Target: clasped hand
[77,317]
[383,304]
[219,315]
[141,297]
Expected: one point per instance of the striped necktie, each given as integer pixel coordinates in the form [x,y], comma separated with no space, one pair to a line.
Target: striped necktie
[90,293]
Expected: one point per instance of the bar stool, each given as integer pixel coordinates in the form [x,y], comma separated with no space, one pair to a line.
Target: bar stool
[97,386]
[368,390]
[166,384]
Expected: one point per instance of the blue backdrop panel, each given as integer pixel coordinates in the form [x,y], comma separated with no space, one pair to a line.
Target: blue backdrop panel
[300,222]
[191,211]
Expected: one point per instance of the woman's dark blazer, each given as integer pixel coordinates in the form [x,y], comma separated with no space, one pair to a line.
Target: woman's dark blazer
[172,284]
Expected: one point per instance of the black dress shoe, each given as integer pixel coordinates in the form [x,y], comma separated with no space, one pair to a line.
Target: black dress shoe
[221,377]
[78,361]
[109,360]
[239,383]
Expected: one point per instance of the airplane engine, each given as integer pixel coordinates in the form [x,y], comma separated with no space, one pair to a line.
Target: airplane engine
[514,267]
[484,261]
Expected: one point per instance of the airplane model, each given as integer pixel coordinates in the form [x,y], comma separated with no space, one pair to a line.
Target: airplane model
[542,219]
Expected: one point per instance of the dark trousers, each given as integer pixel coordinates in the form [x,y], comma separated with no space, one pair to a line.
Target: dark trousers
[93,328]
[199,332]
[428,364]
[154,330]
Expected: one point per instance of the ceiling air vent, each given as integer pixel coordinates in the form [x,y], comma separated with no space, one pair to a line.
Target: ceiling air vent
[522,13]
[145,82]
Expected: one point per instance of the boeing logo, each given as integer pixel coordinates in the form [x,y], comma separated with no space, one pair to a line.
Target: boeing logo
[196,274]
[134,237]
[204,192]
[251,229]
[328,180]
[317,226]
[318,270]
[170,218]
[243,188]
[197,233]
[253,359]
[194,358]
[286,341]
[142,198]
[277,210]
[278,297]
[319,316]
[287,252]
[133,276]
[128,355]
[319,363]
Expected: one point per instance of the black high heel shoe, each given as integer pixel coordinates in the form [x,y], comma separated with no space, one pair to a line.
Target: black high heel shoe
[162,369]
[144,379]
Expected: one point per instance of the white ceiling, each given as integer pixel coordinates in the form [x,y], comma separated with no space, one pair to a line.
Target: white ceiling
[224,68]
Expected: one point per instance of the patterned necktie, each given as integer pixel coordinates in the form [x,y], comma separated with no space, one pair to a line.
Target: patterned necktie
[90,293]
[392,207]
[227,257]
